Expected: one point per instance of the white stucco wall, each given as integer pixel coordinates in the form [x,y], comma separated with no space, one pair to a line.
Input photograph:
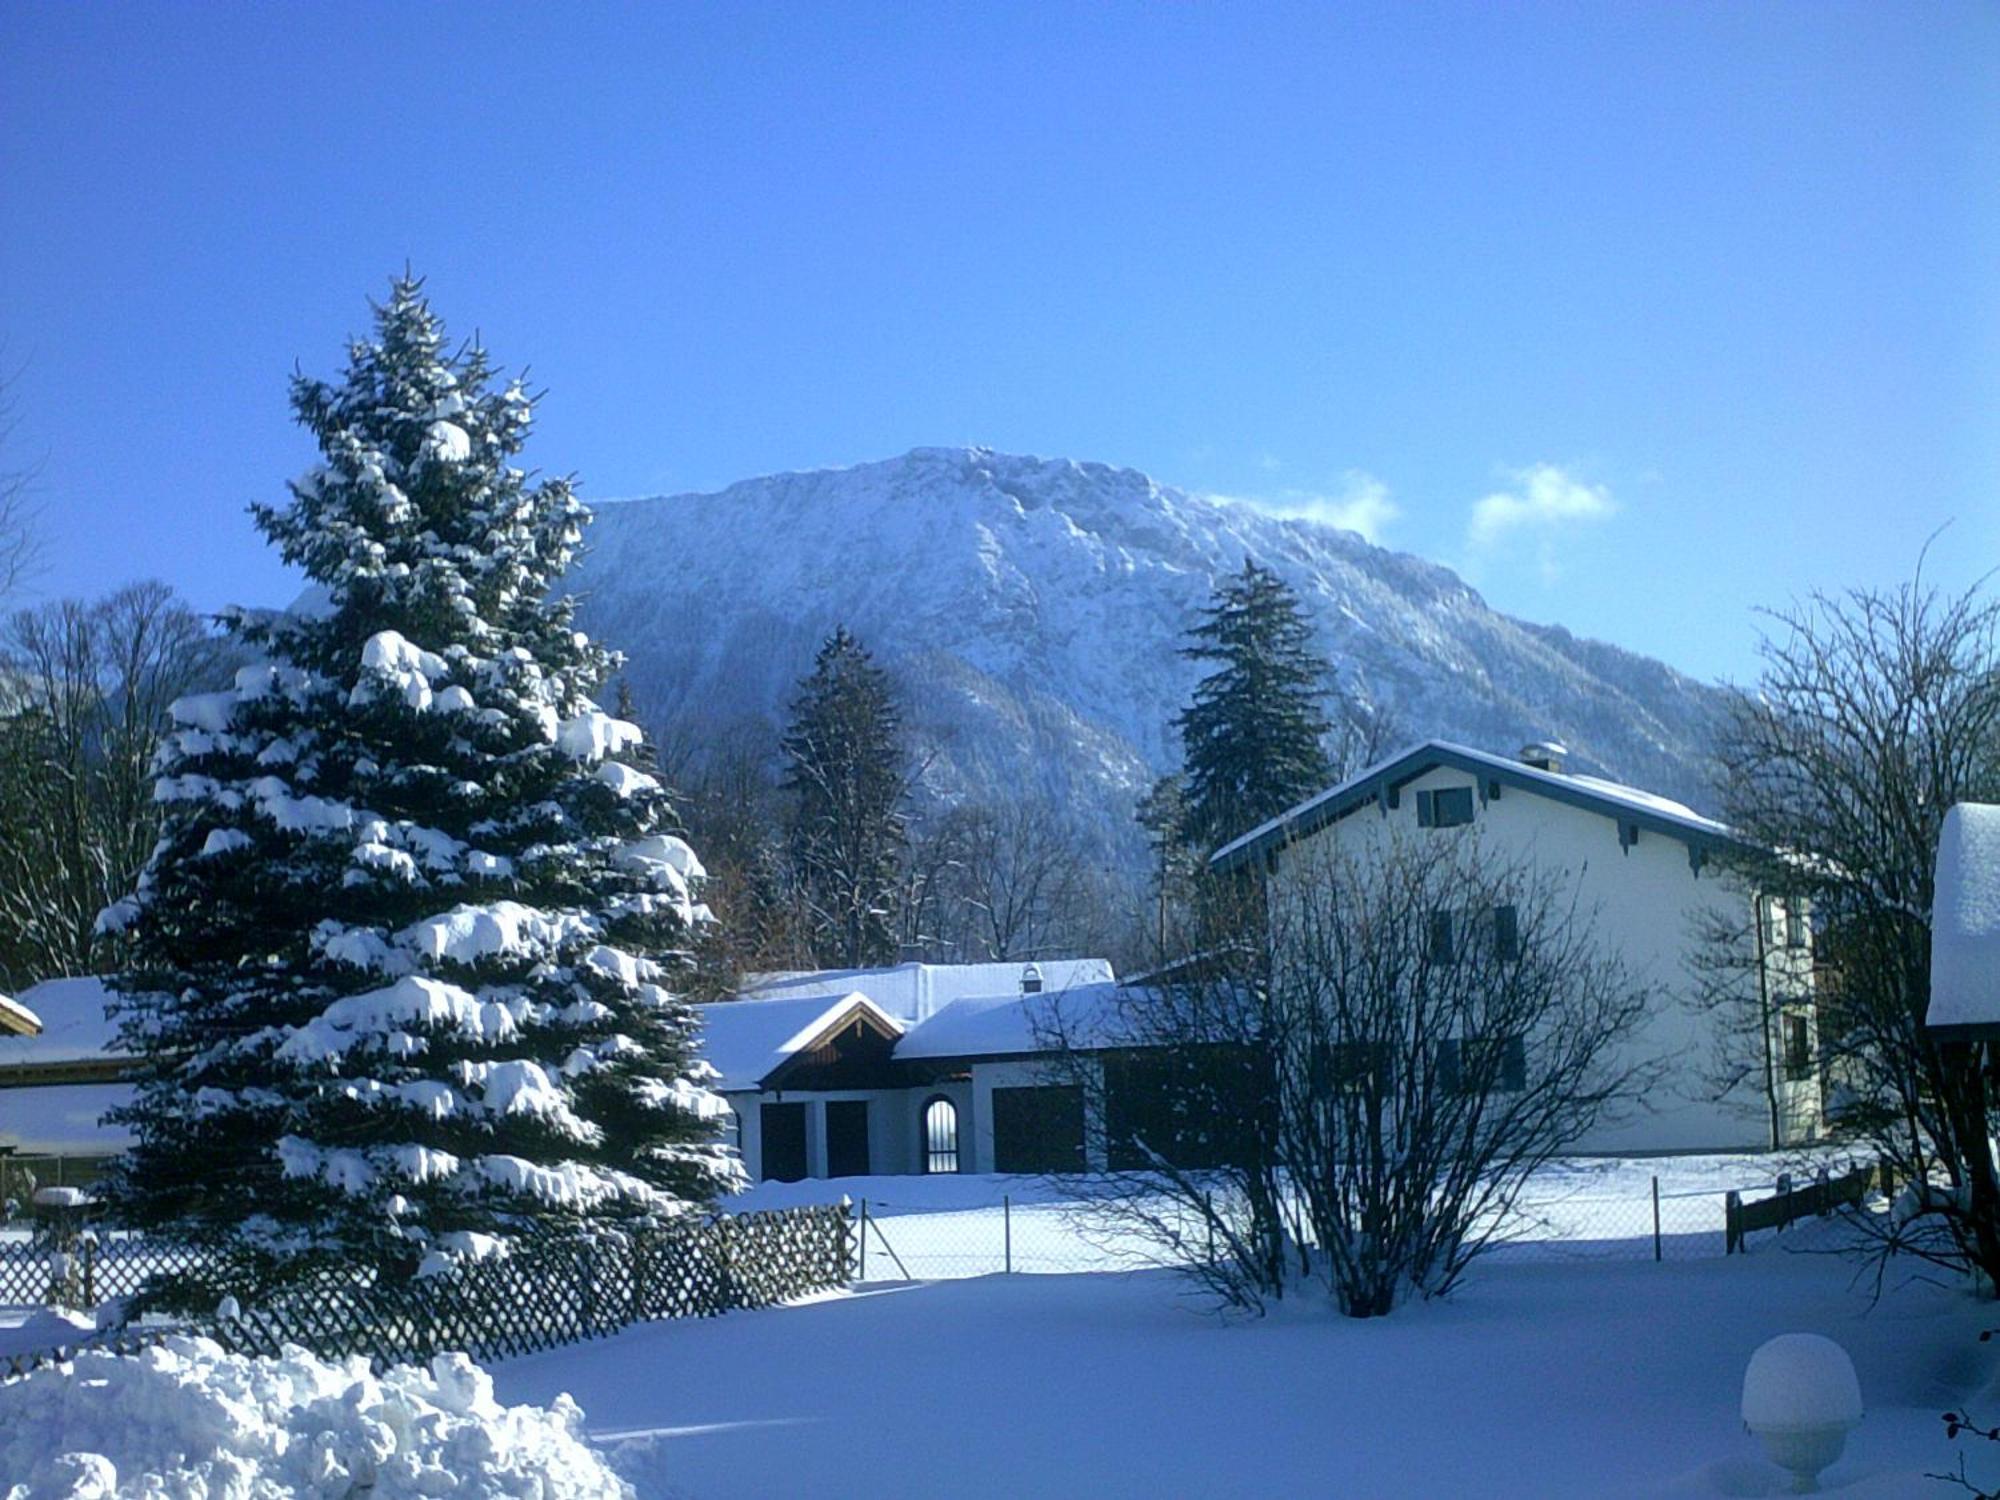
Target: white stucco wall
[1647,905]
[895,1125]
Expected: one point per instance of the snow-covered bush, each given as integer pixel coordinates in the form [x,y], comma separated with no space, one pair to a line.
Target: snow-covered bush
[188,1420]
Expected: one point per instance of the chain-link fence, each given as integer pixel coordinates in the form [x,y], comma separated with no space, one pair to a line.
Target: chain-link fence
[1620,1212]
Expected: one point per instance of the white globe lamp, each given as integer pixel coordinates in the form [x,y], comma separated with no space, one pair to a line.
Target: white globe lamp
[1800,1397]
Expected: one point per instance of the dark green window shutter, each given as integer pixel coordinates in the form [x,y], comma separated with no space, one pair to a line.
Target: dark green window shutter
[1426,810]
[1447,1069]
[1514,1065]
[1441,938]
[1506,934]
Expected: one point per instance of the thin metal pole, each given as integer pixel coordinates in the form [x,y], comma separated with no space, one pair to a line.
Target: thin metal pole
[1007,1224]
[864,1241]
[1656,1218]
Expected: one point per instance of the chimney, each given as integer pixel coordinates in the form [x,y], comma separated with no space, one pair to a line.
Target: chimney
[1544,755]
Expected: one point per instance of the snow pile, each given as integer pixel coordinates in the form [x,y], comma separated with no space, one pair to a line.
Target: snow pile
[1800,1380]
[187,1419]
[1965,927]
[46,1328]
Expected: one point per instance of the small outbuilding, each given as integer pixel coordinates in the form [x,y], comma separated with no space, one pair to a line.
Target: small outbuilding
[1965,926]
[58,1083]
[920,1068]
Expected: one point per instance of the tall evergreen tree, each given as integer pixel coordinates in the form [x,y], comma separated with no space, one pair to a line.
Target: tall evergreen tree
[845,769]
[1254,738]
[401,949]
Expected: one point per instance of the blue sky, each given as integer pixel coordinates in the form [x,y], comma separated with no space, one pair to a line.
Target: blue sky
[1640,316]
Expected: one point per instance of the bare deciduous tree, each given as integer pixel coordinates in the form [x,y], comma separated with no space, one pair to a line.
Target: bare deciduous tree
[1876,711]
[88,688]
[1357,1107]
[20,535]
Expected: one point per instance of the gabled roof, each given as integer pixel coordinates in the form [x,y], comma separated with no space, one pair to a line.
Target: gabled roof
[1607,798]
[914,991]
[74,1025]
[1015,1025]
[746,1041]
[1965,926]
[17,1020]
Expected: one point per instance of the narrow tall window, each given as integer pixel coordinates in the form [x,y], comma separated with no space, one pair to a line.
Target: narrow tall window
[1443,949]
[940,1135]
[1798,1047]
[1506,934]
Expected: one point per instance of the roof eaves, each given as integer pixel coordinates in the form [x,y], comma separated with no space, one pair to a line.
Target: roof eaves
[1316,812]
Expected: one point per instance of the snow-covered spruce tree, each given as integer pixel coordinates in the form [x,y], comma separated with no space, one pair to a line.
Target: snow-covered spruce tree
[1254,737]
[400,951]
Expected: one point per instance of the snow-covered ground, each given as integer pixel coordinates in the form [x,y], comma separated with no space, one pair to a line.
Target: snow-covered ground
[1584,1208]
[1537,1380]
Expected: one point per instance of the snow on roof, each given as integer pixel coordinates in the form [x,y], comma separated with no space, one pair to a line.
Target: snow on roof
[17,1020]
[63,1119]
[1965,920]
[747,1040]
[74,1026]
[913,992]
[1609,797]
[1015,1025]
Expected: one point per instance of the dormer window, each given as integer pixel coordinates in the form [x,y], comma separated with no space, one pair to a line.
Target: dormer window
[1448,807]
[1031,980]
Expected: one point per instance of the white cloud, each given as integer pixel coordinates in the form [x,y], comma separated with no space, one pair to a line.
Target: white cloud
[1362,504]
[1541,499]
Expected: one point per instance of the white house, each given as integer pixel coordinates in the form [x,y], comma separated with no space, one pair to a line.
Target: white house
[1646,869]
[917,1068]
[1965,926]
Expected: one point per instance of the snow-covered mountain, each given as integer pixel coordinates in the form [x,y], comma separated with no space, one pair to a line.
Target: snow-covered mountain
[1033,610]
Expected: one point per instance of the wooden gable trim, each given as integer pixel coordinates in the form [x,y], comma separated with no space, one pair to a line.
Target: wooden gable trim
[804,1055]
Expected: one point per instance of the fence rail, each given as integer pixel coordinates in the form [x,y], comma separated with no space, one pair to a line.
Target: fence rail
[1788,1205]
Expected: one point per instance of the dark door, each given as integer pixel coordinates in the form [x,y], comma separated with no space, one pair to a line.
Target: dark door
[847,1138]
[783,1137]
[1038,1129]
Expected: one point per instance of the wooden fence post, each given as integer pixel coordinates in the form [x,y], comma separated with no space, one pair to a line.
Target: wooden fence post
[1732,1237]
[1007,1231]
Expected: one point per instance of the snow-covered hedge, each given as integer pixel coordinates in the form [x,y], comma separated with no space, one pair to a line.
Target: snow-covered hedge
[187,1419]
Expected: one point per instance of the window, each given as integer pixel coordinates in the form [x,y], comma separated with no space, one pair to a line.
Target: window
[940,1135]
[1351,1067]
[1774,921]
[1798,932]
[1506,934]
[1798,1047]
[1445,808]
[1444,949]
[1483,1065]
